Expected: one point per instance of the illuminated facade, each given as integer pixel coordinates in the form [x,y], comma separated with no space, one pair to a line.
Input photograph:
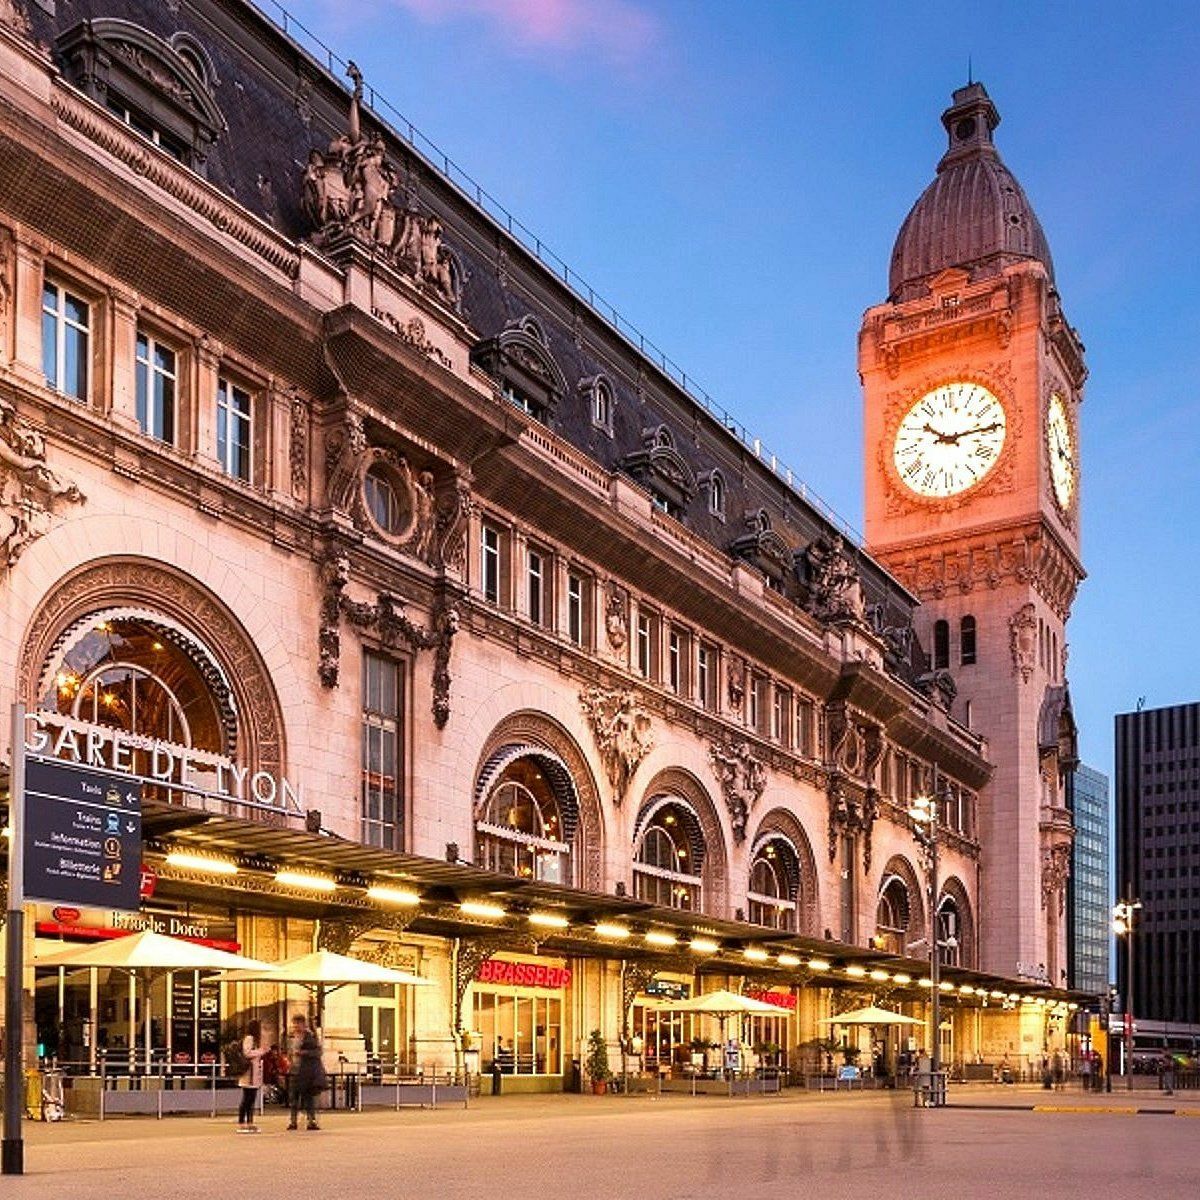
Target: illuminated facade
[414,575]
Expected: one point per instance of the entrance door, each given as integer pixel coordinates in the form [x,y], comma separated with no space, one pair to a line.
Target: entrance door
[378,1020]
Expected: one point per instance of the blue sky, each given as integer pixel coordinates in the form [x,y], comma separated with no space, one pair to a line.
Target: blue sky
[732,175]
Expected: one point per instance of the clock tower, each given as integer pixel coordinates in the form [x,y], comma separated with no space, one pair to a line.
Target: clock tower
[972,382]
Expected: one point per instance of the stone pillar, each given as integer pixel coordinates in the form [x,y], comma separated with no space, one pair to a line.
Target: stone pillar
[116,386]
[204,400]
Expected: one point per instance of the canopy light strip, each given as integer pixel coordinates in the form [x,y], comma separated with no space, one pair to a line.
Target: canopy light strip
[188,861]
[393,895]
[304,879]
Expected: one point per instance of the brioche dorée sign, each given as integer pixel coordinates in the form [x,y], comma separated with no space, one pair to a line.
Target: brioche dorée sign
[522,974]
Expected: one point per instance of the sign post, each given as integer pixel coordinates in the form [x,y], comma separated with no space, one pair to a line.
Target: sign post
[12,1155]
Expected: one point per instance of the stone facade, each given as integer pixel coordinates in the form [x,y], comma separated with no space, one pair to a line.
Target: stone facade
[397,444]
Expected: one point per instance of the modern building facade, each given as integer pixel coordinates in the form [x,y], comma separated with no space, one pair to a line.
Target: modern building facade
[1158,858]
[1089,892]
[444,625]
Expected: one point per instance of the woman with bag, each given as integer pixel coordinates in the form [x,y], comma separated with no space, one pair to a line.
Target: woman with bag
[250,1080]
[309,1078]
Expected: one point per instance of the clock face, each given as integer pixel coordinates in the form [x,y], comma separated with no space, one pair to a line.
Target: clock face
[1062,451]
[949,440]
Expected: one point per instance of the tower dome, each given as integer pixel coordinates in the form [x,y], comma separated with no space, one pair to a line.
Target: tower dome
[974,214]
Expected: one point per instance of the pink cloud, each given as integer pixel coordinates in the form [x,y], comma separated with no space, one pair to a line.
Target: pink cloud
[616,29]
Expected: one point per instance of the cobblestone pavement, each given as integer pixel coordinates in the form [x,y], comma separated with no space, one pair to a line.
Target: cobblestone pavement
[643,1148]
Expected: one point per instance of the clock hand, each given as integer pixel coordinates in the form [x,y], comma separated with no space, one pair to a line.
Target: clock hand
[979,429]
[943,438]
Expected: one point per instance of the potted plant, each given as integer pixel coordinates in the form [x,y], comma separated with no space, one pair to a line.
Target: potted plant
[597,1062]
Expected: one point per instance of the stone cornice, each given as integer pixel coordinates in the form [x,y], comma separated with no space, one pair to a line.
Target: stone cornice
[158,168]
[1028,553]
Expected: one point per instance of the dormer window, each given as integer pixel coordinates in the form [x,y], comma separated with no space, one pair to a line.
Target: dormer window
[519,359]
[763,548]
[662,471]
[152,86]
[598,393]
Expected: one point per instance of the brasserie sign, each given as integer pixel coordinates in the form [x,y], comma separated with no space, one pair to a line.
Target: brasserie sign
[51,735]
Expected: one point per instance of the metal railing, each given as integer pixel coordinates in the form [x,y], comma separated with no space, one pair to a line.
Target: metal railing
[438,160]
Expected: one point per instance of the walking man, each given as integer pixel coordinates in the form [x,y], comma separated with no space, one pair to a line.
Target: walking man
[308,1079]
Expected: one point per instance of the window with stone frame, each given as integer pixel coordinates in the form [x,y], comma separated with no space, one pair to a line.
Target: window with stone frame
[941,645]
[66,340]
[236,419]
[382,784]
[966,641]
[667,866]
[156,379]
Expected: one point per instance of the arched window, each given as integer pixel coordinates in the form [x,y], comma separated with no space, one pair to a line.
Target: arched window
[521,829]
[941,645]
[774,883]
[716,494]
[891,916]
[141,676]
[668,857]
[602,406]
[949,925]
[966,641]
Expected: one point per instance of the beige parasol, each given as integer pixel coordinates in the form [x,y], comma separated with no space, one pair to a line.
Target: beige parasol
[322,971]
[871,1015]
[145,955]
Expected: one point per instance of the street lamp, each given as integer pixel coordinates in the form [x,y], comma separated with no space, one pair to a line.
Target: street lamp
[924,815]
[1122,923]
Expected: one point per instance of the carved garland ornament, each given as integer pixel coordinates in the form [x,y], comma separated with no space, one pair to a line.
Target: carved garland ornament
[622,730]
[387,619]
[1022,641]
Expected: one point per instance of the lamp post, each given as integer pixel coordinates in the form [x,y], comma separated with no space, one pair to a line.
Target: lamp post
[924,814]
[1122,924]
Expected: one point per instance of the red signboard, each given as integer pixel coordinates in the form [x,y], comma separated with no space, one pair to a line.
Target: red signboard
[99,933]
[785,1000]
[147,881]
[519,974]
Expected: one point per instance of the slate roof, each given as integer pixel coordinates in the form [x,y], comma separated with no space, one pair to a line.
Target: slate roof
[279,103]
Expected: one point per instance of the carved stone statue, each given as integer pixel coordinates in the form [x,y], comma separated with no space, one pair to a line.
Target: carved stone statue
[30,492]
[616,617]
[344,449]
[834,588]
[742,776]
[1056,870]
[347,192]
[622,730]
[736,683]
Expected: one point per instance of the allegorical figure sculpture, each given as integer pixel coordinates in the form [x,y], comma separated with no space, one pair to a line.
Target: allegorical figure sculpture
[347,191]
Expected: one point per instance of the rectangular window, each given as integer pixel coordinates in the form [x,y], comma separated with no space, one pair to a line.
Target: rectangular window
[679,661]
[382,752]
[66,341]
[233,430]
[781,716]
[156,380]
[489,564]
[537,578]
[641,647]
[805,728]
[706,676]
[580,592]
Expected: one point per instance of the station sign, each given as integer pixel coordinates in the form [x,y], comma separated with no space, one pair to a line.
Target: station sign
[82,837]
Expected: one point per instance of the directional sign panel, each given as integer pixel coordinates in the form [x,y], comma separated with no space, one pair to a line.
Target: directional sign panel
[83,836]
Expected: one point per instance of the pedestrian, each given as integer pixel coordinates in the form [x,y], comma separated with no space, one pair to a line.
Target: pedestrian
[1059,1071]
[250,1080]
[1168,1074]
[1098,1070]
[308,1079]
[1085,1071]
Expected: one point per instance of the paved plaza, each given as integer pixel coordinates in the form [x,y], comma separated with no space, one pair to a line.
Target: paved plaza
[642,1148]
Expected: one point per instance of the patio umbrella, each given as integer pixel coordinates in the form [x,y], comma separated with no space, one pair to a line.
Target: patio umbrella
[871,1015]
[322,972]
[721,1004]
[145,955]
